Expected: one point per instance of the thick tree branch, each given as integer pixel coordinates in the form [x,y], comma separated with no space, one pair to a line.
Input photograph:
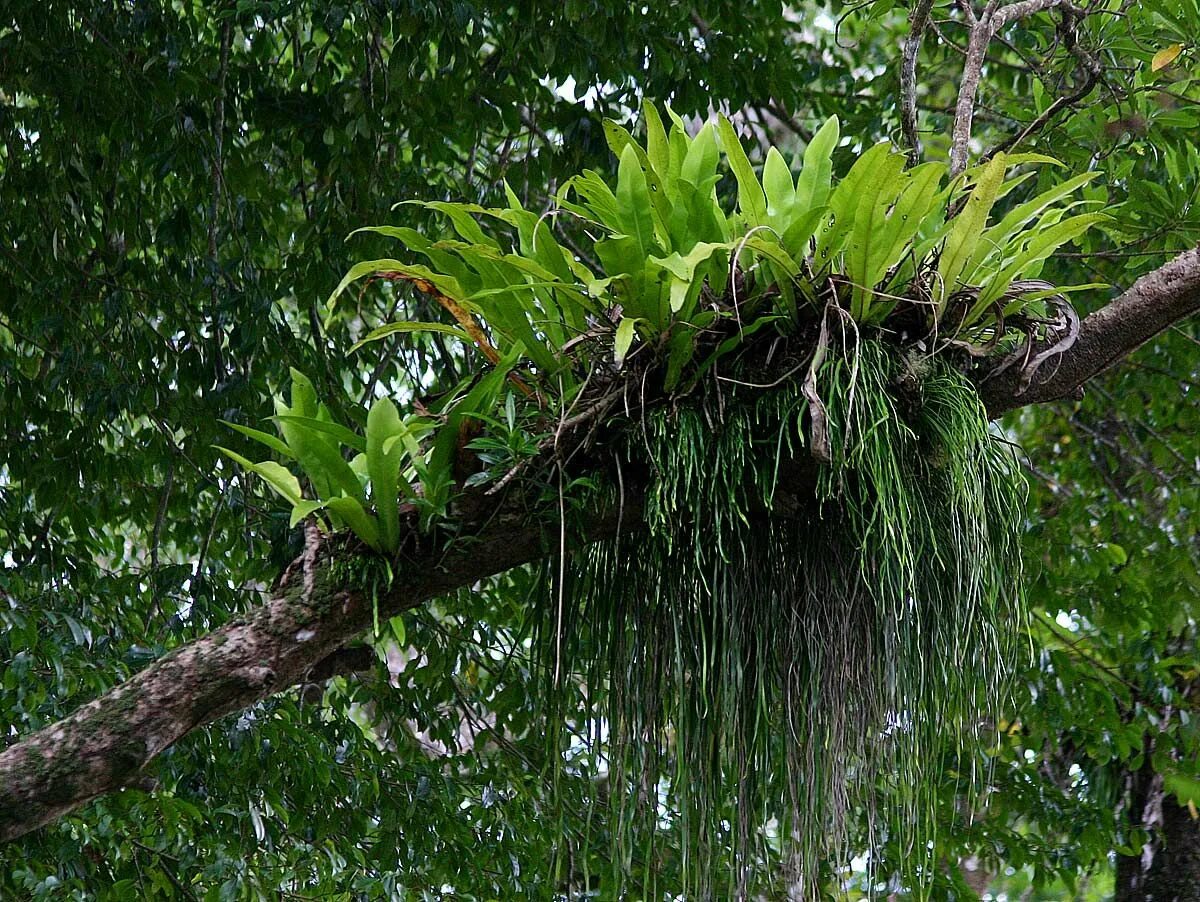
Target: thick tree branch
[1153,303]
[295,636]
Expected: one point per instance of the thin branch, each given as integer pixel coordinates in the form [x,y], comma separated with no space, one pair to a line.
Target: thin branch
[784,118]
[218,167]
[1092,71]
[983,28]
[156,538]
[352,659]
[919,22]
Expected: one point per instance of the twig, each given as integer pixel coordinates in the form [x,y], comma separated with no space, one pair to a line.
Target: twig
[159,519]
[908,78]
[198,576]
[183,889]
[778,381]
[780,115]
[1076,646]
[1091,74]
[218,134]
[592,411]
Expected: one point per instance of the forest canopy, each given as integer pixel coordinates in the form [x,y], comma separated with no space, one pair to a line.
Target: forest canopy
[478,451]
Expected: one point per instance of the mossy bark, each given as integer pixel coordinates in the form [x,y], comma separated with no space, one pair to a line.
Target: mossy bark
[318,607]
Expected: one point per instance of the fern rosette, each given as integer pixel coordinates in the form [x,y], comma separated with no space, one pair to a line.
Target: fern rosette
[823,568]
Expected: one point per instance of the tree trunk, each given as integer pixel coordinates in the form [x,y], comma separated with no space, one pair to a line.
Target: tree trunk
[1168,869]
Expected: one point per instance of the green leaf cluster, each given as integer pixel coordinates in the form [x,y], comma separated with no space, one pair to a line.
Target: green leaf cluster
[661,258]
[362,494]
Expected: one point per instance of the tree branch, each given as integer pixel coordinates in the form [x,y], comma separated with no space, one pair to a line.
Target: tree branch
[982,30]
[218,176]
[919,22]
[295,636]
[1153,303]
[352,659]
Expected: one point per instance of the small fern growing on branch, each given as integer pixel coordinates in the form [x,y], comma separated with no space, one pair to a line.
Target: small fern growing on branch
[823,573]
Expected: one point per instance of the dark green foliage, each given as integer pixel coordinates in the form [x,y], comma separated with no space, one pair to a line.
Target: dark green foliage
[125,341]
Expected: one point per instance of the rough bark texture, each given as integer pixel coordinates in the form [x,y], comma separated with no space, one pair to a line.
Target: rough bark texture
[291,637]
[1168,870]
[918,23]
[983,28]
[1153,303]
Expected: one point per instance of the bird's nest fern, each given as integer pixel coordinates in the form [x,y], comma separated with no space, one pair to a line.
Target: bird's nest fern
[819,586]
